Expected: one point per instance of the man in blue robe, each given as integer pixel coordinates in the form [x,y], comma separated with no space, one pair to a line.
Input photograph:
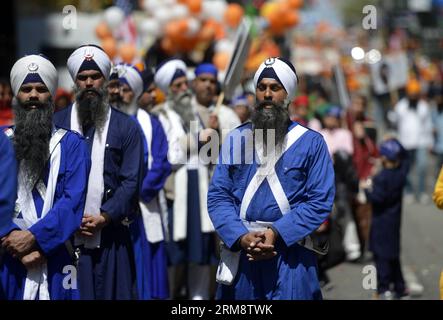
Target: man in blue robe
[191,245]
[52,180]
[147,229]
[265,207]
[106,265]
[8,185]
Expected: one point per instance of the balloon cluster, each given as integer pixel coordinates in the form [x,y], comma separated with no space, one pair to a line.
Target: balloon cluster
[113,18]
[281,15]
[191,25]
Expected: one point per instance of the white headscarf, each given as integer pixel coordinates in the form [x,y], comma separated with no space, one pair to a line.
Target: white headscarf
[133,77]
[77,58]
[34,64]
[165,73]
[284,73]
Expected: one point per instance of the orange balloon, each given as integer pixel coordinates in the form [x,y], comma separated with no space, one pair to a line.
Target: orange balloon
[102,31]
[233,15]
[292,18]
[140,66]
[109,45]
[221,60]
[195,6]
[127,52]
[167,44]
[176,29]
[295,4]
[277,24]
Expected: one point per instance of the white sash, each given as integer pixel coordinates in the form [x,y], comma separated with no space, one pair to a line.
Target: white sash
[152,211]
[268,172]
[229,260]
[96,184]
[37,278]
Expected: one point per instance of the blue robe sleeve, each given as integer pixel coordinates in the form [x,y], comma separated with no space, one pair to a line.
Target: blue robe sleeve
[221,203]
[379,194]
[121,204]
[307,216]
[8,185]
[65,217]
[161,168]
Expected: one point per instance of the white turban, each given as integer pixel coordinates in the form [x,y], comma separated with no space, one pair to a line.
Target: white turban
[164,75]
[132,77]
[285,75]
[89,53]
[34,64]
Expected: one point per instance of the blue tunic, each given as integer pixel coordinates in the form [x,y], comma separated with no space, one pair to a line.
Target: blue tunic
[150,258]
[58,225]
[8,184]
[386,198]
[108,272]
[306,174]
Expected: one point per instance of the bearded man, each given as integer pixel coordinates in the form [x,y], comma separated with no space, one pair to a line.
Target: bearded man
[191,243]
[263,209]
[106,265]
[147,229]
[52,180]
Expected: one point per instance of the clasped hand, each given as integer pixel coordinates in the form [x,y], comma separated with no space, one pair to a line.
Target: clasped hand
[259,245]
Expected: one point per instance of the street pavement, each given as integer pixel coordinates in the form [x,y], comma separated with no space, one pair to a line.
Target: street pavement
[421,258]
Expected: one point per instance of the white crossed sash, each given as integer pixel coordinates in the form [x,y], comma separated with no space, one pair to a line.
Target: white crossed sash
[37,278]
[267,172]
[229,260]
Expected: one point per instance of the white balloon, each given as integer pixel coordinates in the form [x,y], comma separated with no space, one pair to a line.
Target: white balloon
[193,26]
[152,5]
[149,27]
[214,9]
[224,45]
[179,11]
[114,17]
[162,15]
[168,3]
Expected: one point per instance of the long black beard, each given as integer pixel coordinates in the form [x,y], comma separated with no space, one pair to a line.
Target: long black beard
[182,104]
[276,119]
[33,128]
[91,110]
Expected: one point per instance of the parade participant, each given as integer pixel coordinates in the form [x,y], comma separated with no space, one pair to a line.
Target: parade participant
[52,180]
[8,184]
[148,99]
[147,229]
[386,193]
[265,210]
[242,108]
[191,242]
[114,97]
[106,269]
[204,86]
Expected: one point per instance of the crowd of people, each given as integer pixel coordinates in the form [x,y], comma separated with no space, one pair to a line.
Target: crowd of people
[110,179]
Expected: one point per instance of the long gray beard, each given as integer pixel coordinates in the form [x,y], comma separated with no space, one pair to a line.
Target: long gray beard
[92,111]
[129,108]
[276,119]
[33,129]
[182,104]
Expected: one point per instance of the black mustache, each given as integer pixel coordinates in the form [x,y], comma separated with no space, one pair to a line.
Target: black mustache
[91,90]
[37,103]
